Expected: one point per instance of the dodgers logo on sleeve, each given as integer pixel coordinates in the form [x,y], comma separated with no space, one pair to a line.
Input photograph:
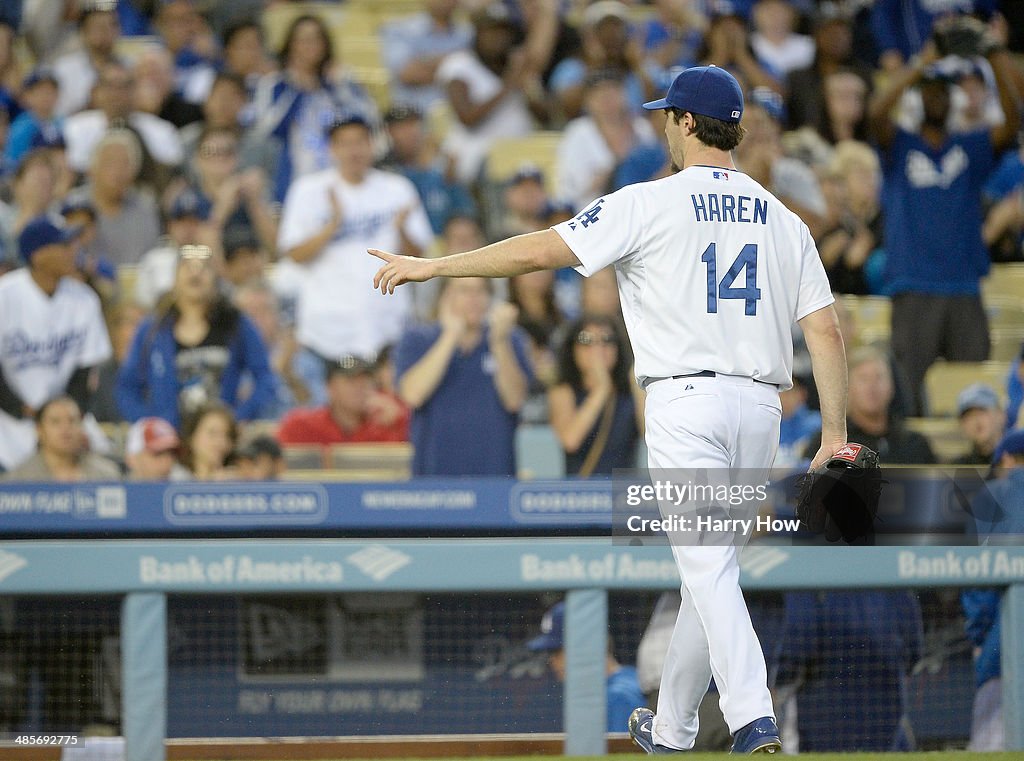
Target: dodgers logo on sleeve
[588,217]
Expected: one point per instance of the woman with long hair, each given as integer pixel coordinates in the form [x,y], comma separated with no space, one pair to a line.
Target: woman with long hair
[298,103]
[196,349]
[596,409]
[209,437]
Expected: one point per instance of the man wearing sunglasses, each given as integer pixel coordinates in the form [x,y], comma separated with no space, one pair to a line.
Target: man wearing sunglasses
[712,273]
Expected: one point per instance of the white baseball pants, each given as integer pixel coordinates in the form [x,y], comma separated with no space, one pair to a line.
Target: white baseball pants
[728,425]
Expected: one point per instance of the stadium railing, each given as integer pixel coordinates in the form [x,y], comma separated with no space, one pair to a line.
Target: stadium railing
[147,572]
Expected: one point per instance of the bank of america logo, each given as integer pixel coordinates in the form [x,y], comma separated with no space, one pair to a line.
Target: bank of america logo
[9,563]
[757,561]
[378,562]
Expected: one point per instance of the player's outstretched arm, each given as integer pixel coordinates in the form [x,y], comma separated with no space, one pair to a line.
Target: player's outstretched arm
[828,361]
[514,256]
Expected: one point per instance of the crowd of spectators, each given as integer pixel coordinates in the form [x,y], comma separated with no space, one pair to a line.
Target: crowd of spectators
[240,186]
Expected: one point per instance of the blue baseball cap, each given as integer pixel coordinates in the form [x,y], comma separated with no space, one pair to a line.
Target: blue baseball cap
[977,396]
[346,119]
[38,75]
[44,231]
[552,627]
[190,204]
[706,90]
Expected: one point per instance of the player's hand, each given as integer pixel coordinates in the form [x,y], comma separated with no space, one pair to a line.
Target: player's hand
[825,453]
[400,269]
[502,320]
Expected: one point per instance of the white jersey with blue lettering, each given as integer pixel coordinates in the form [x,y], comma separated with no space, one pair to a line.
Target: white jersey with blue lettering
[712,271]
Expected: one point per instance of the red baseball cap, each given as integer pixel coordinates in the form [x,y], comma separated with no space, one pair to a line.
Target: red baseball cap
[152,434]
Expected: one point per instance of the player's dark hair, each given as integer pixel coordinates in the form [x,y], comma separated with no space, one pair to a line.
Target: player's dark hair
[571,374]
[325,36]
[713,132]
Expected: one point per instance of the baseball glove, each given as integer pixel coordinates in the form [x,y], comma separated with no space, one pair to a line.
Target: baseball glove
[840,498]
[963,36]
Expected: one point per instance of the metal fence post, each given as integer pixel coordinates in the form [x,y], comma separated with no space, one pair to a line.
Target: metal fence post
[1013,666]
[144,675]
[584,697]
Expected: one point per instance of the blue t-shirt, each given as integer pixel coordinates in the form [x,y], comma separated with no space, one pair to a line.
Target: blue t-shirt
[799,427]
[24,132]
[905,25]
[620,447]
[462,430]
[624,694]
[932,202]
[441,199]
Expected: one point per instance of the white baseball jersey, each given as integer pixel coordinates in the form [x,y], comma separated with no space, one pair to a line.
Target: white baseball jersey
[43,340]
[712,271]
[337,314]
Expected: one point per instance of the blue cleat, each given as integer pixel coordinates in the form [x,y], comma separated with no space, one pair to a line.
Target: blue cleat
[759,736]
[641,728]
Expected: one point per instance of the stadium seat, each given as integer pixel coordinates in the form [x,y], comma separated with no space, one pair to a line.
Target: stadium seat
[1006,344]
[127,274]
[129,48]
[538,452]
[945,380]
[508,154]
[305,457]
[279,16]
[1005,311]
[374,462]
[872,316]
[1004,280]
[943,435]
[334,474]
[388,7]
[116,434]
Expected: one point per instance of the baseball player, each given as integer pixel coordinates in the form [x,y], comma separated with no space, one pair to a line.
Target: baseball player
[712,272]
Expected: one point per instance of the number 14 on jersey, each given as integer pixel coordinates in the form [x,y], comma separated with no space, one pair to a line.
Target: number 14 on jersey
[750,293]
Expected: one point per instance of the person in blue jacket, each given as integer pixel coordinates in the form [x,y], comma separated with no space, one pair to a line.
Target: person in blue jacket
[623,692]
[196,349]
[982,609]
[849,653]
[999,520]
